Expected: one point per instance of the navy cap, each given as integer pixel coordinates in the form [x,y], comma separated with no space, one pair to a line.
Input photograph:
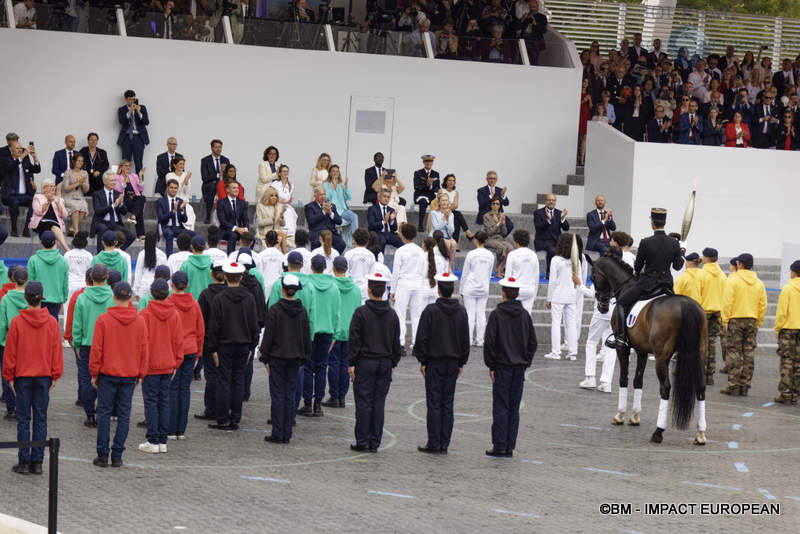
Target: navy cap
[658,215]
[294,258]
[180,278]
[340,263]
[318,262]
[114,277]
[745,258]
[89,273]
[694,256]
[709,252]
[795,267]
[108,237]
[162,271]
[34,289]
[100,271]
[122,290]
[198,241]
[48,238]
[20,274]
[159,284]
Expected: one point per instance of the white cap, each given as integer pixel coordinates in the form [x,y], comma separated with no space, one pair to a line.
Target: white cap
[291,280]
[377,277]
[446,277]
[218,264]
[510,282]
[233,268]
[245,259]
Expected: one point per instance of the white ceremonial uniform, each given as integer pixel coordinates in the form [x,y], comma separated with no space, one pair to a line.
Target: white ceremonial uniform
[128,261]
[328,259]
[408,286]
[269,263]
[143,277]
[523,264]
[430,294]
[216,254]
[474,286]
[360,263]
[599,330]
[562,295]
[78,260]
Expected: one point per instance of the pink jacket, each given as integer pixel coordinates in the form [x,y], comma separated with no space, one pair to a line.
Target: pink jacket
[134,178]
[37,207]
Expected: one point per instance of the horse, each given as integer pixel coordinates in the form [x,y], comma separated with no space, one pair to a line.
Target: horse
[668,325]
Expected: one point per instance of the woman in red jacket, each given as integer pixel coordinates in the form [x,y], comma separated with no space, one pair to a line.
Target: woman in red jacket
[737,133]
[228,177]
[32,363]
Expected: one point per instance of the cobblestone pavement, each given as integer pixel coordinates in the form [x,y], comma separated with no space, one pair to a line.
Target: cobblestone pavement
[569,460]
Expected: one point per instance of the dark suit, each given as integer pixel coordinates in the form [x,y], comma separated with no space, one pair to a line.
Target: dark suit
[595,241]
[424,195]
[100,164]
[761,139]
[654,133]
[209,174]
[370,177]
[780,83]
[13,196]
[228,218]
[634,56]
[375,224]
[162,169]
[688,134]
[103,208]
[172,224]
[782,134]
[547,232]
[61,163]
[484,198]
[713,135]
[133,143]
[317,221]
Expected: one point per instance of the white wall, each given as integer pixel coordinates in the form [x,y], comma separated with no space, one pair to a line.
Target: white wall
[745,198]
[472,116]
[609,171]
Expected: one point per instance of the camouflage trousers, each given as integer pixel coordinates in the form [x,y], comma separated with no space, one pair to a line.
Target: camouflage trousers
[741,343]
[714,330]
[789,351]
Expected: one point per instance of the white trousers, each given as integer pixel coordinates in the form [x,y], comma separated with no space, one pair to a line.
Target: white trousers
[476,317]
[526,298]
[599,330]
[565,312]
[408,300]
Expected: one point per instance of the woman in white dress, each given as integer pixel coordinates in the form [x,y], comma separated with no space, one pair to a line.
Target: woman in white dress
[326,249]
[267,171]
[285,191]
[395,187]
[449,189]
[320,172]
[146,263]
[183,177]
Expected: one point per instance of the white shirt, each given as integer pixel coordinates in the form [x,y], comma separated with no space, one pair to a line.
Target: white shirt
[128,261]
[269,262]
[408,260]
[360,263]
[24,15]
[477,273]
[21,171]
[629,257]
[143,277]
[183,190]
[441,267]
[561,290]
[176,260]
[78,260]
[328,259]
[216,254]
[523,264]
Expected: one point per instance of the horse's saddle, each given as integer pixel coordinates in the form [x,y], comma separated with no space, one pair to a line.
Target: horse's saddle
[637,309]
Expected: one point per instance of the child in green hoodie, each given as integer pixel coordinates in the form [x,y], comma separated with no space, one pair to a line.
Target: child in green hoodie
[338,379]
[50,268]
[198,268]
[327,307]
[110,256]
[93,302]
[10,306]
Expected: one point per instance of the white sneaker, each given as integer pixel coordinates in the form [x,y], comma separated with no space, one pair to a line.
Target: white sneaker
[479,344]
[180,437]
[572,357]
[564,346]
[172,436]
[605,387]
[589,383]
[148,447]
[162,447]
[552,356]
[65,343]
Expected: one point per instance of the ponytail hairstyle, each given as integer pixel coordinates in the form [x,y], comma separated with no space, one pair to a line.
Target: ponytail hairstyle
[429,244]
[373,244]
[326,238]
[150,250]
[438,236]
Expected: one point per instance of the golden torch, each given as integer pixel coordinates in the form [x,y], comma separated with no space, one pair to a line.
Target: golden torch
[688,215]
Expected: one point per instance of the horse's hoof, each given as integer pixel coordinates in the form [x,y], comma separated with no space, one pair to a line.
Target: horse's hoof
[657,437]
[634,420]
[700,439]
[619,419]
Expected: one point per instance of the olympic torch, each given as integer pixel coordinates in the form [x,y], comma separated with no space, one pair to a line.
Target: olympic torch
[688,215]
[575,256]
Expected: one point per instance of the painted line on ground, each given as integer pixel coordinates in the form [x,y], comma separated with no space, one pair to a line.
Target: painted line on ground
[69,414]
[498,457]
[707,441]
[265,479]
[767,494]
[747,414]
[466,414]
[733,445]
[741,467]
[736,427]
[707,485]
[390,494]
[73,459]
[607,472]
[519,514]
[632,532]
[537,462]
[581,426]
[767,404]
[252,430]
[792,498]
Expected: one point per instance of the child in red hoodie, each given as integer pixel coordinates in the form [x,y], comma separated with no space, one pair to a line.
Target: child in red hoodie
[193,332]
[165,355]
[33,363]
[117,362]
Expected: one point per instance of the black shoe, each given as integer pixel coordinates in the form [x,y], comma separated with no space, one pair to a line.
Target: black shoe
[318,410]
[116,462]
[443,451]
[331,403]
[342,404]
[101,461]
[306,410]
[234,426]
[275,439]
[359,448]
[90,422]
[497,454]
[617,342]
[26,232]
[197,376]
[429,450]
[36,468]
[22,469]
[372,450]
[78,403]
[142,424]
[10,416]
[218,426]
[204,417]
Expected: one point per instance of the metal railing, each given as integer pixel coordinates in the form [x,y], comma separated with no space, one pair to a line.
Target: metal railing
[54,444]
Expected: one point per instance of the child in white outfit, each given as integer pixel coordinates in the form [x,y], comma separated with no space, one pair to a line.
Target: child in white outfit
[561,299]
[474,286]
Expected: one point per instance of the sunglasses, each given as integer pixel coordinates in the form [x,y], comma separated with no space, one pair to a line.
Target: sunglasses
[684,99]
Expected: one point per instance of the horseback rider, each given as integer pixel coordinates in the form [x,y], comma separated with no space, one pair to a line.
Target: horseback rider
[653,260]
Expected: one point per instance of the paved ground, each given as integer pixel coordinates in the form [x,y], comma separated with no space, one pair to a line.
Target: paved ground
[568,462]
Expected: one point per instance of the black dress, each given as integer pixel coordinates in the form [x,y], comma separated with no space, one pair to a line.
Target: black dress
[49,220]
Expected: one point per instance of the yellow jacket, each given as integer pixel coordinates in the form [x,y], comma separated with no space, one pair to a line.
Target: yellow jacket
[688,284]
[712,286]
[788,314]
[744,298]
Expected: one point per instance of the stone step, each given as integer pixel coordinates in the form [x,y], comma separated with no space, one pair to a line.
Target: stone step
[579,170]
[575,179]
[560,189]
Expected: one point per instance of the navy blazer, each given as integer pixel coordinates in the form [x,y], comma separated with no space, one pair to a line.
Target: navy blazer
[100,165]
[684,127]
[547,233]
[596,229]
[318,221]
[226,216]
[370,177]
[141,124]
[654,133]
[421,188]
[102,207]
[164,212]
[484,197]
[757,127]
[10,176]
[60,163]
[207,171]
[375,219]
[162,165]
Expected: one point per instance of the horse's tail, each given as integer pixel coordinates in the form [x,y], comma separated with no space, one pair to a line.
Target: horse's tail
[691,344]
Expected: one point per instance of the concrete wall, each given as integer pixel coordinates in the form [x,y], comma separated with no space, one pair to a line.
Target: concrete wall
[609,171]
[519,121]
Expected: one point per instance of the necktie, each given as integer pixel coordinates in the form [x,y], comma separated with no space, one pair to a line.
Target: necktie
[170,160]
[659,123]
[131,125]
[69,162]
[384,218]
[216,165]
[605,234]
[691,127]
[766,119]
[111,205]
[172,210]
[233,206]
[21,183]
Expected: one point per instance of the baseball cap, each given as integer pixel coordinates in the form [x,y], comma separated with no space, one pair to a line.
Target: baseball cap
[294,258]
[162,271]
[108,237]
[198,241]
[291,280]
[340,263]
[114,277]
[34,289]
[180,278]
[122,290]
[694,256]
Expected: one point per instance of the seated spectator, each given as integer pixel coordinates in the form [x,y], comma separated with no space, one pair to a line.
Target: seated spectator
[713,129]
[132,188]
[485,196]
[449,188]
[443,223]
[446,42]
[267,171]
[171,212]
[659,129]
[232,216]
[690,126]
[95,163]
[17,184]
[229,175]
[426,185]
[395,187]
[737,133]
[493,15]
[610,109]
[109,211]
[49,212]
[269,214]
[285,191]
[666,99]
[302,13]
[62,158]
[320,171]
[496,49]
[786,138]
[371,175]
[182,176]
[382,219]
[339,193]
[494,224]
[73,189]
[321,215]
[25,15]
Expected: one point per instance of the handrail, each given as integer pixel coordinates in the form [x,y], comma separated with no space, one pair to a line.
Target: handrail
[54,444]
[121,29]
[10,14]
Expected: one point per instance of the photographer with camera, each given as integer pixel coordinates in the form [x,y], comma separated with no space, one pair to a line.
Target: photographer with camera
[446,42]
[133,136]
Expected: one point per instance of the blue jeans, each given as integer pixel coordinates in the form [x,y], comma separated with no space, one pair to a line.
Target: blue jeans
[8,395]
[87,393]
[338,379]
[54,308]
[351,218]
[33,396]
[113,393]
[180,395]
[155,392]
[314,369]
[170,233]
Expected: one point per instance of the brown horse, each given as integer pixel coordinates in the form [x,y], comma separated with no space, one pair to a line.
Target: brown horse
[668,325]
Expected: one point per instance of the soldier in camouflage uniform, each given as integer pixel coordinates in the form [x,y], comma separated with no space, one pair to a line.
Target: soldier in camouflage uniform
[744,304]
[712,287]
[787,326]
[723,342]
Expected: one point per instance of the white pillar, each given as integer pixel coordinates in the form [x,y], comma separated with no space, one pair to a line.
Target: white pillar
[329,38]
[10,14]
[658,19]
[523,52]
[123,32]
[428,45]
[226,29]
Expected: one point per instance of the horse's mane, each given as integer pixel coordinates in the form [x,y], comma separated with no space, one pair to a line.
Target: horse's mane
[615,254]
